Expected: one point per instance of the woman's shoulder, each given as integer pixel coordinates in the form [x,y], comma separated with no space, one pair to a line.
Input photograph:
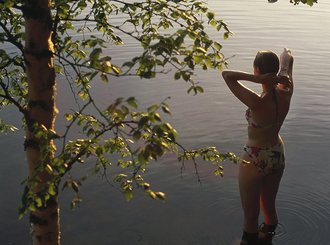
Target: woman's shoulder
[273,99]
[265,104]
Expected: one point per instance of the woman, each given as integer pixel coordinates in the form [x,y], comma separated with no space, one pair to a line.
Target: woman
[260,176]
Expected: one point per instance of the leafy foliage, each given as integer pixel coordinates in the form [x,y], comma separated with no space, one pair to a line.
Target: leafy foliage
[173,38]
[309,2]
[5,128]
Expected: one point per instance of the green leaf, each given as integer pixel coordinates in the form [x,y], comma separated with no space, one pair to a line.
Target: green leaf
[213,23]
[152,194]
[177,75]
[120,177]
[132,102]
[143,121]
[226,35]
[160,195]
[51,190]
[218,172]
[199,89]
[201,50]
[82,5]
[49,169]
[104,78]
[68,116]
[8,3]
[157,117]
[116,69]
[152,108]
[95,54]
[146,186]
[128,194]
[166,109]
[217,45]
[198,59]
[32,207]
[83,95]
[75,186]
[310,2]
[141,158]
[190,89]
[210,15]
[58,69]
[38,202]
[137,135]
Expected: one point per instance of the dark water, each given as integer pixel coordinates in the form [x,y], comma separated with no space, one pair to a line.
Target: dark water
[209,213]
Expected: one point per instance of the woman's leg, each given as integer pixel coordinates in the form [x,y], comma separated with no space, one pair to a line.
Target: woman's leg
[269,190]
[250,188]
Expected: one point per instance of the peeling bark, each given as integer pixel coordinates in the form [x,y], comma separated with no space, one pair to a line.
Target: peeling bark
[41,109]
[45,225]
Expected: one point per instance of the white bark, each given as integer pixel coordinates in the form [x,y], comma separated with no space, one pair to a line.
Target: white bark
[45,228]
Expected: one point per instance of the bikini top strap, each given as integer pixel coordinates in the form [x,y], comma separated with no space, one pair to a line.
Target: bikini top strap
[276,103]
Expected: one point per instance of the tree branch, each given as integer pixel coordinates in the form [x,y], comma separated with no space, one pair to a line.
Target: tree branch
[11,39]
[7,96]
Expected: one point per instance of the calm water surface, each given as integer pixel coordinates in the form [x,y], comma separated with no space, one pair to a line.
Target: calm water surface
[209,213]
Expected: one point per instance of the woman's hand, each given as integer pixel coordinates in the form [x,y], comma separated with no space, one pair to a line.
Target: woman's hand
[268,78]
[283,80]
[285,83]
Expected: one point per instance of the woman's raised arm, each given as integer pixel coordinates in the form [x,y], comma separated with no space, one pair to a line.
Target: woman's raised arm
[244,94]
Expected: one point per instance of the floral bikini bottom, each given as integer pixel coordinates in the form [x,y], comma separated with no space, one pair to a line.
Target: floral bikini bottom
[267,159]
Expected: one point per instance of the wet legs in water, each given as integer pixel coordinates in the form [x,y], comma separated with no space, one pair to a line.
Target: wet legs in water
[258,191]
[269,191]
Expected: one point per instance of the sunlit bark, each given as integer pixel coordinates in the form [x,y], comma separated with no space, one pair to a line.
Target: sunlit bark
[38,52]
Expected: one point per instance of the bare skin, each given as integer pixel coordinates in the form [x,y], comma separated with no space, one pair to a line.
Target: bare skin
[258,191]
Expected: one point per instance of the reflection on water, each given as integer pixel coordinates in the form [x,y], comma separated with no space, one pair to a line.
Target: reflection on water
[208,213]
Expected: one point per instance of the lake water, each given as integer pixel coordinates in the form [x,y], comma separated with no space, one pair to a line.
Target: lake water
[207,213]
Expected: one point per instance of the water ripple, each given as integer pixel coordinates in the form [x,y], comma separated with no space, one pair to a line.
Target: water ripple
[305,216]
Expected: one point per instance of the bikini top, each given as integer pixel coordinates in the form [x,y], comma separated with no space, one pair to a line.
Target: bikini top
[253,124]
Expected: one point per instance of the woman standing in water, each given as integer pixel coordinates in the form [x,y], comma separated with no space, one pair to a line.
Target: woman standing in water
[259,179]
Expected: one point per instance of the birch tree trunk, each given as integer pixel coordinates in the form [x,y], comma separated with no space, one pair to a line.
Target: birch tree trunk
[39,50]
